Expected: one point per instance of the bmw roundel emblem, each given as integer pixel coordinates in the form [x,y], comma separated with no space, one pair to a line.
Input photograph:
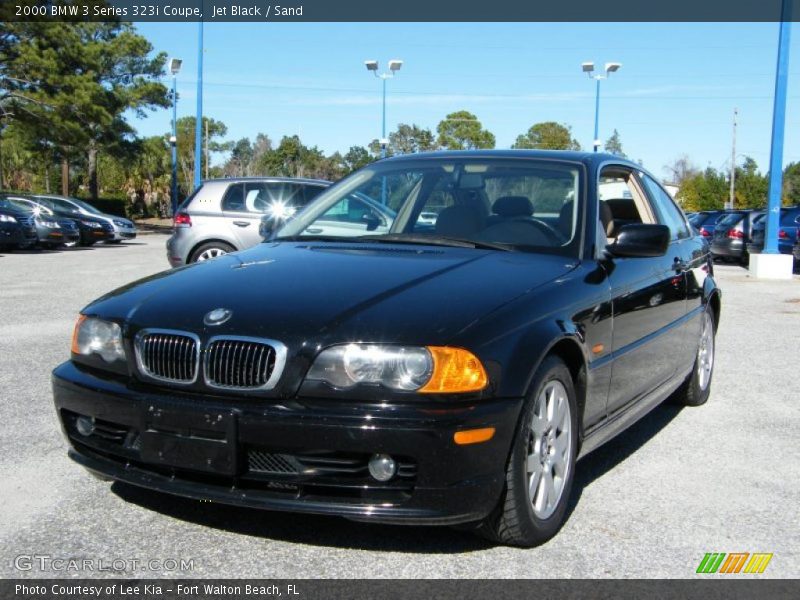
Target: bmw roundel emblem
[218,316]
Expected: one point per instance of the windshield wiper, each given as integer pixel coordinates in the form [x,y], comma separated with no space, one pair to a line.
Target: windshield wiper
[438,240]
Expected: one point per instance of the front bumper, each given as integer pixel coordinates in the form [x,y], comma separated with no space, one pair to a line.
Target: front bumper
[57,236]
[316,452]
[90,235]
[123,233]
[16,236]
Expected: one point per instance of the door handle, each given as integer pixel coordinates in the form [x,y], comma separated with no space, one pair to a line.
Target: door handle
[241,223]
[314,230]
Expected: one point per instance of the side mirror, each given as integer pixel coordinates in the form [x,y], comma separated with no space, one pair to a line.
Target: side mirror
[372,221]
[638,240]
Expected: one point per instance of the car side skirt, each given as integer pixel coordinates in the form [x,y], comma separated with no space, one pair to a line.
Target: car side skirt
[630,414]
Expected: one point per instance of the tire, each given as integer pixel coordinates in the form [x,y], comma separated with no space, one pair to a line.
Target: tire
[89,243]
[519,520]
[210,250]
[697,387]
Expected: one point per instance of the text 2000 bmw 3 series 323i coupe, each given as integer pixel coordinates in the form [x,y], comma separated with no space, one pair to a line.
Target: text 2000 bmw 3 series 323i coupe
[446,370]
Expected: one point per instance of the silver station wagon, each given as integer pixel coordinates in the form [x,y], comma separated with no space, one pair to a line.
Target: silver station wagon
[224,215]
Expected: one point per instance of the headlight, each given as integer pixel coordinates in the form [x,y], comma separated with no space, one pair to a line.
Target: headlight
[430,369]
[96,336]
[91,224]
[7,219]
[50,224]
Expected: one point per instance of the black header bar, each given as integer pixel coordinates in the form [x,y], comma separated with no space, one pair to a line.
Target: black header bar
[285,11]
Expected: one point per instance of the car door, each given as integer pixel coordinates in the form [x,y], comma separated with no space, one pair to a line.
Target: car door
[246,202]
[648,303]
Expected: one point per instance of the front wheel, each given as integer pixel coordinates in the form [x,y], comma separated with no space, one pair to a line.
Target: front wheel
[541,465]
[697,387]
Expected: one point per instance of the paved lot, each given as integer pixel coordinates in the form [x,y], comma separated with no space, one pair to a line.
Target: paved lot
[721,478]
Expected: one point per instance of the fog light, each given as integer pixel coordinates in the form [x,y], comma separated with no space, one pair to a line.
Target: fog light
[382,467]
[85,426]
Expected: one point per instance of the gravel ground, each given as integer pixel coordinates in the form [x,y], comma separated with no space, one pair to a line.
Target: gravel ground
[720,478]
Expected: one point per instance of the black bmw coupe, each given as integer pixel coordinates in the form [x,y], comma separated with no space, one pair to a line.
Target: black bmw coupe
[449,365]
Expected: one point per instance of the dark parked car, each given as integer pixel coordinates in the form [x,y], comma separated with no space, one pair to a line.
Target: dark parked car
[122,228]
[732,233]
[51,231]
[17,228]
[705,222]
[442,376]
[788,226]
[92,229]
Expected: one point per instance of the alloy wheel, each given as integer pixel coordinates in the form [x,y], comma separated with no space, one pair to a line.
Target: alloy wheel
[549,449]
[210,253]
[705,352]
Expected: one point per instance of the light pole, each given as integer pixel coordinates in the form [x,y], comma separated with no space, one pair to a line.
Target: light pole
[394,67]
[174,68]
[198,125]
[588,68]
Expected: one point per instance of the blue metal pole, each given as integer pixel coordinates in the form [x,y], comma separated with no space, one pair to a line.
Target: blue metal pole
[383,126]
[778,128]
[596,114]
[383,142]
[174,144]
[198,126]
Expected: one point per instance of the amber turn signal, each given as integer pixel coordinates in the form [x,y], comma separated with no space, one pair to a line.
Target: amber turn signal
[473,436]
[75,349]
[455,370]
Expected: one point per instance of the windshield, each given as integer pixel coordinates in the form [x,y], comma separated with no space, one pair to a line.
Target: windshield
[730,220]
[71,203]
[509,204]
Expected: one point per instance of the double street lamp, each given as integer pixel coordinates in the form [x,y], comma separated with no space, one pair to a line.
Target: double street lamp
[588,68]
[394,67]
[174,68]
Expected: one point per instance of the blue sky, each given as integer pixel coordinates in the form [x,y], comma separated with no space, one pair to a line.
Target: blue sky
[674,95]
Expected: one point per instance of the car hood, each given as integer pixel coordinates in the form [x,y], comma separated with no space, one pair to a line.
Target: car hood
[322,293]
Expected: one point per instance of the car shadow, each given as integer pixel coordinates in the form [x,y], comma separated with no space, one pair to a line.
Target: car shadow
[616,451]
[314,530]
[341,533]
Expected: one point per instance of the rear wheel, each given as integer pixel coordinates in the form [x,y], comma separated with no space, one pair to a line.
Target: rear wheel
[210,250]
[697,387]
[541,466]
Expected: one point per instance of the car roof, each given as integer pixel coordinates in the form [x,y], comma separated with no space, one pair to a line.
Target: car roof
[565,155]
[302,180]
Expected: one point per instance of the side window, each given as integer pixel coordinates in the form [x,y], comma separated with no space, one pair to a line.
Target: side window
[310,192]
[622,201]
[349,209]
[233,199]
[667,213]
